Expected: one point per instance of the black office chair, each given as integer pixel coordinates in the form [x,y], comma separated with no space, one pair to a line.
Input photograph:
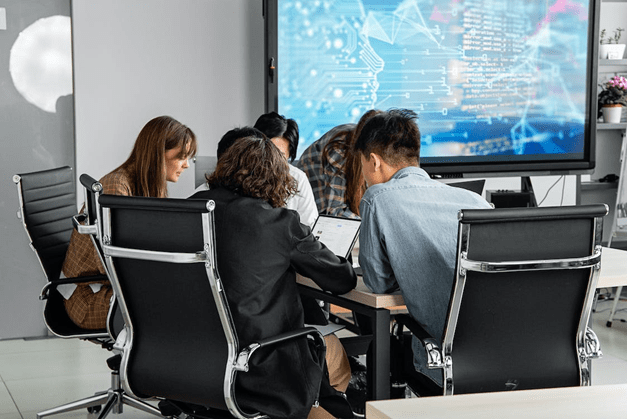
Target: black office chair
[180,345]
[47,210]
[47,204]
[524,285]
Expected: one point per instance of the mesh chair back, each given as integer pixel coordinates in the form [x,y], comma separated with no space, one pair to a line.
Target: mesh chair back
[47,204]
[519,329]
[178,348]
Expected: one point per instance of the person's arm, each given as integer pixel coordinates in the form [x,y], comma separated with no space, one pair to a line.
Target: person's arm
[375,264]
[303,202]
[335,188]
[308,209]
[312,259]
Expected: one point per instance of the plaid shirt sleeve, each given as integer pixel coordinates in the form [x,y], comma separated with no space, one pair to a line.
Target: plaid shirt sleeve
[81,258]
[328,183]
[335,187]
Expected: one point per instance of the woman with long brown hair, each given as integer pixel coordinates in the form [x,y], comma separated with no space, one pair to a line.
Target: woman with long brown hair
[260,247]
[334,170]
[160,155]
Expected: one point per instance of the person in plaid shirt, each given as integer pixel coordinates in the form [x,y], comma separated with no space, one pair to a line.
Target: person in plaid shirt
[334,171]
[160,155]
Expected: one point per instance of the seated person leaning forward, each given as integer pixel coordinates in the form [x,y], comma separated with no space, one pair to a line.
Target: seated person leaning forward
[284,134]
[302,201]
[334,170]
[408,235]
[159,156]
[260,247]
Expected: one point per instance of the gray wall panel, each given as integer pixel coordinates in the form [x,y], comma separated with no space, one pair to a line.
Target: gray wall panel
[31,139]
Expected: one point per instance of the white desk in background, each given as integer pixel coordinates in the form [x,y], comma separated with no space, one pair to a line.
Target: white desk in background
[606,402]
[613,268]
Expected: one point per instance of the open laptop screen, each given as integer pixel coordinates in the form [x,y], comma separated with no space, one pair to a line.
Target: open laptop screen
[337,233]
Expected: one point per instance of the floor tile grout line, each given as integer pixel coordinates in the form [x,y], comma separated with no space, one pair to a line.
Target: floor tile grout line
[11,396]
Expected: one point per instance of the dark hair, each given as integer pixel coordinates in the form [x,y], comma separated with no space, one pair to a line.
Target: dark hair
[274,125]
[233,135]
[342,142]
[255,167]
[146,164]
[394,135]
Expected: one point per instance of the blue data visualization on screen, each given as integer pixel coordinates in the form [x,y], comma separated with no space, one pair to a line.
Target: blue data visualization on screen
[486,77]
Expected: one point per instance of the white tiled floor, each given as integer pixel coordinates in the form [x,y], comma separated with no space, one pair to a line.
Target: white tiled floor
[40,374]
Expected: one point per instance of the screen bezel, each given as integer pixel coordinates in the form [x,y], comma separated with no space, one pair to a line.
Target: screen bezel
[487,168]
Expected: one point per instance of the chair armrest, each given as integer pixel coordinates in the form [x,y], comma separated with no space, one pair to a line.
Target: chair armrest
[78,280]
[78,219]
[592,346]
[241,364]
[83,229]
[90,183]
[414,327]
[434,354]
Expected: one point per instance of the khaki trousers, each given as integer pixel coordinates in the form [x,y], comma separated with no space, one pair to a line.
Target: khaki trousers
[339,372]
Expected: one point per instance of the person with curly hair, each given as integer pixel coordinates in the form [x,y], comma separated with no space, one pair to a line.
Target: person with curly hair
[260,247]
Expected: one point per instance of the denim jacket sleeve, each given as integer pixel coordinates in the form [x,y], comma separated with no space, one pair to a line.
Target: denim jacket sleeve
[377,271]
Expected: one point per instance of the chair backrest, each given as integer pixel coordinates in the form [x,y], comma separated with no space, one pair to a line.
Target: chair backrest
[161,257]
[47,203]
[521,301]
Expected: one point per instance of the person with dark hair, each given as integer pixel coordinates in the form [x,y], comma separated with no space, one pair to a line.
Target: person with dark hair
[231,137]
[160,155]
[284,134]
[334,171]
[260,247]
[408,235]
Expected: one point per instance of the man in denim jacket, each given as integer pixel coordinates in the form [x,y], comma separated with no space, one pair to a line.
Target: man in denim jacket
[408,235]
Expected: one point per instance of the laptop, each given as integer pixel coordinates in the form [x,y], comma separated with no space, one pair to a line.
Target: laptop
[338,234]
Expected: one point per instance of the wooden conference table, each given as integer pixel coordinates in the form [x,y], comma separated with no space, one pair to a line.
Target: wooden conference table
[608,402]
[379,307]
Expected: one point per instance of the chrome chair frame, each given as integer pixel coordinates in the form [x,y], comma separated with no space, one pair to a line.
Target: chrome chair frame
[237,361]
[587,344]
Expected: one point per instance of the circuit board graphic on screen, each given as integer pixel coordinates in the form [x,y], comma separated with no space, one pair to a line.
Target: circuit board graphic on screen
[502,78]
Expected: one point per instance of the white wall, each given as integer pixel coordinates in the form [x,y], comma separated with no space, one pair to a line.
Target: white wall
[199,61]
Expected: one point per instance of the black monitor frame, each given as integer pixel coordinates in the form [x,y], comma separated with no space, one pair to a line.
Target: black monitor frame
[458,169]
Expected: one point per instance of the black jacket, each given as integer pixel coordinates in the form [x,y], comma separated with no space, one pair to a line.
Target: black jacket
[259,251]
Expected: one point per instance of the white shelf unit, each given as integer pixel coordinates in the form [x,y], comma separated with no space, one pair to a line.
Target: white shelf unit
[609,137]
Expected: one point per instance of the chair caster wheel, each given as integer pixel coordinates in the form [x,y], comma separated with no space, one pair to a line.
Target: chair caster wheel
[94,409]
[608,324]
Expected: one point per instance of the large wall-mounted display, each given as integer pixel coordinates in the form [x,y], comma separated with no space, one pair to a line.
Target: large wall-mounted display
[499,85]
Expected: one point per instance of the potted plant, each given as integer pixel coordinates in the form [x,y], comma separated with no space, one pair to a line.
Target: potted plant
[612,98]
[610,48]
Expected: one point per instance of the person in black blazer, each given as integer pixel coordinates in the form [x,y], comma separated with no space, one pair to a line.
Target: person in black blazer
[260,248]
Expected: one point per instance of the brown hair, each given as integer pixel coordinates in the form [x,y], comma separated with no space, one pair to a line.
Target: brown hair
[343,142]
[254,167]
[146,164]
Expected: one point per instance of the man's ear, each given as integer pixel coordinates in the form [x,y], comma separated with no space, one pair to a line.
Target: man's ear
[375,161]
